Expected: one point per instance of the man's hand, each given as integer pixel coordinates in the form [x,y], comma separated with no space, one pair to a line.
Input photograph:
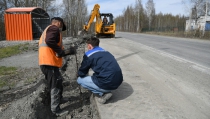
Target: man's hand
[70,51]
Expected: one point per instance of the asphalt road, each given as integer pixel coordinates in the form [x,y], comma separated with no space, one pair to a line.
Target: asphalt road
[164,78]
[194,50]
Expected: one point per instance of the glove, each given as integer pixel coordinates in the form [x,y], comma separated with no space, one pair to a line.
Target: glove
[73,50]
[60,55]
[70,51]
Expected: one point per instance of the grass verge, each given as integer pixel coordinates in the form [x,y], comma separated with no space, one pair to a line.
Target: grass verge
[12,50]
[6,71]
[182,34]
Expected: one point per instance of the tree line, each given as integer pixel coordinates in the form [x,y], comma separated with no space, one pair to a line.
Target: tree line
[139,19]
[134,18]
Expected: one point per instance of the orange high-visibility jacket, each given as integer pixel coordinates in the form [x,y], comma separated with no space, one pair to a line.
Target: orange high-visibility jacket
[47,56]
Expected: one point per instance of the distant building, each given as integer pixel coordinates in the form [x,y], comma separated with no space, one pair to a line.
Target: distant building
[200,24]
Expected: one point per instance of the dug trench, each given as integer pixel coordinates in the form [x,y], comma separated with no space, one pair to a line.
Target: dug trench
[26,97]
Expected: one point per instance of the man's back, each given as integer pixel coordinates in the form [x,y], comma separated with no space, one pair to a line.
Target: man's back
[107,72]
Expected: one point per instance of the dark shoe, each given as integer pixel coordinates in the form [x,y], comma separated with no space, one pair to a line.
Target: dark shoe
[60,112]
[64,100]
[104,98]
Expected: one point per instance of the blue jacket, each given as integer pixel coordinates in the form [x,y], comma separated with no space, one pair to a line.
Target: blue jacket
[107,72]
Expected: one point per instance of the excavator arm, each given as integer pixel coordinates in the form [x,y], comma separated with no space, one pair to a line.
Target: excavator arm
[94,14]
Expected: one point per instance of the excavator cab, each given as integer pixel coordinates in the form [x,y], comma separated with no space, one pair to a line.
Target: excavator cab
[108,25]
[107,18]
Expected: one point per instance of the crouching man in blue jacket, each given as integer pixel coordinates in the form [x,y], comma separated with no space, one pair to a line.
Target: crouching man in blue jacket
[107,74]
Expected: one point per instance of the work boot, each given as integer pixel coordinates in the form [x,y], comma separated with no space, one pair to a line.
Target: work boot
[104,98]
[60,112]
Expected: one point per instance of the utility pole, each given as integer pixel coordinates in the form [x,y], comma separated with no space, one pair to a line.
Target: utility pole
[188,28]
[205,18]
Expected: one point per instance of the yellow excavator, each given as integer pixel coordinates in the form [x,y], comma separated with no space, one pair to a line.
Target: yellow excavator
[105,27]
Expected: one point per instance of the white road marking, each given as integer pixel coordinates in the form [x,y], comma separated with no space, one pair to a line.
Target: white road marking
[179,59]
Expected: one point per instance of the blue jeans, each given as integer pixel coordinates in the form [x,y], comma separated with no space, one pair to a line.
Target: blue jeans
[87,83]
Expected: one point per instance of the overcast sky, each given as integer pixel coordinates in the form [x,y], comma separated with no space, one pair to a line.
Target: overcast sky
[117,6]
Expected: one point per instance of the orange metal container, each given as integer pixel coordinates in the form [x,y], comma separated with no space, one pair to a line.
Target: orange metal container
[19,23]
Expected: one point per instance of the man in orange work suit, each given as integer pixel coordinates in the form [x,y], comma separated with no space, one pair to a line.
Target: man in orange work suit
[51,52]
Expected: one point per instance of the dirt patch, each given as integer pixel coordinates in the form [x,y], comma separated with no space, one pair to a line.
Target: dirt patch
[24,99]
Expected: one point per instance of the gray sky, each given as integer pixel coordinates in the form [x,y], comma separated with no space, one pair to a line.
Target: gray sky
[117,6]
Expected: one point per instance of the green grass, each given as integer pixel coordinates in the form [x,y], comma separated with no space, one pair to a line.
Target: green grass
[29,80]
[6,83]
[12,50]
[2,83]
[191,34]
[7,70]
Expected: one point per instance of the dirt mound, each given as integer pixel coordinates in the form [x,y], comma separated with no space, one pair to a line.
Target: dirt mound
[25,99]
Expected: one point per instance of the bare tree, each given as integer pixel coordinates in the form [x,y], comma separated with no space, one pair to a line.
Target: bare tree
[206,13]
[197,8]
[3,6]
[75,12]
[150,10]
[140,15]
